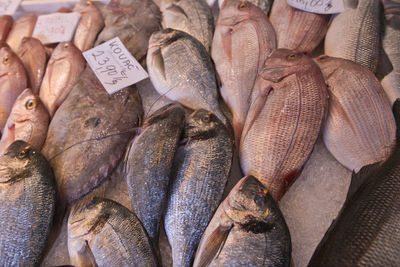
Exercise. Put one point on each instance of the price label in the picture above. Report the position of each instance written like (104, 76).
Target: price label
(318, 6)
(114, 66)
(8, 7)
(56, 27)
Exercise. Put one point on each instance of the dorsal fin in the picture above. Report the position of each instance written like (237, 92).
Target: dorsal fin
(357, 179)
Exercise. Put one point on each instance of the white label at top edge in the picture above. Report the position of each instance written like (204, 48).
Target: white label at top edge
(318, 6)
(8, 7)
(114, 66)
(56, 27)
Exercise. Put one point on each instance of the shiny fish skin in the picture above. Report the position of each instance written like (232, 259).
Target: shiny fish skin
(89, 26)
(247, 229)
(102, 232)
(359, 30)
(6, 22)
(28, 121)
(33, 55)
(22, 27)
(191, 16)
(88, 135)
(296, 29)
(243, 39)
(181, 69)
(62, 73)
(199, 176)
(148, 165)
(13, 81)
(27, 200)
(365, 233)
(289, 102)
(133, 21)
(390, 43)
(360, 127)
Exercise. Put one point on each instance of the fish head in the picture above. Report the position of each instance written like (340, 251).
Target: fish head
(234, 11)
(202, 124)
(84, 6)
(328, 65)
(87, 216)
(282, 63)
(9, 60)
(16, 162)
(62, 51)
(250, 205)
(164, 37)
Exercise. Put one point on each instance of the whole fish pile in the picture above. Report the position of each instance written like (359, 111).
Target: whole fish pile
(151, 174)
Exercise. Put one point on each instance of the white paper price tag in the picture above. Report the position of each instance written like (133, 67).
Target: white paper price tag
(56, 27)
(8, 7)
(318, 6)
(114, 66)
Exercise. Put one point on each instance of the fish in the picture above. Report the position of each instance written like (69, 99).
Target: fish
(88, 135)
(148, 164)
(390, 41)
(62, 73)
(89, 25)
(288, 106)
(199, 175)
(360, 128)
(364, 232)
(248, 229)
(181, 69)
(27, 201)
(359, 30)
(265, 5)
(6, 22)
(28, 121)
(243, 39)
(13, 81)
(133, 21)
(297, 29)
(22, 27)
(102, 232)
(191, 16)
(33, 55)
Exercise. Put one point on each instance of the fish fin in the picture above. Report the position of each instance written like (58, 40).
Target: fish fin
(212, 245)
(384, 65)
(158, 62)
(80, 254)
(396, 113)
(177, 9)
(357, 179)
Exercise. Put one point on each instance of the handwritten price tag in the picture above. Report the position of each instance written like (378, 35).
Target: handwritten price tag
(8, 7)
(114, 66)
(56, 27)
(318, 6)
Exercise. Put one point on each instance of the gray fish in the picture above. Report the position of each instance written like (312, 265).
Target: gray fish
(181, 69)
(355, 34)
(191, 16)
(133, 21)
(390, 43)
(27, 201)
(365, 233)
(247, 229)
(148, 165)
(88, 135)
(199, 176)
(360, 128)
(102, 232)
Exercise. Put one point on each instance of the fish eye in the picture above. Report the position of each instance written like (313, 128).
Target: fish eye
(242, 5)
(6, 59)
(30, 104)
(291, 56)
(259, 199)
(66, 45)
(22, 154)
(206, 118)
(89, 3)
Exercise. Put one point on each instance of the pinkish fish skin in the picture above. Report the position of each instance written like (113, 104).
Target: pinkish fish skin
(28, 121)
(13, 81)
(243, 39)
(62, 73)
(34, 57)
(289, 102)
(89, 26)
(22, 27)
(6, 23)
